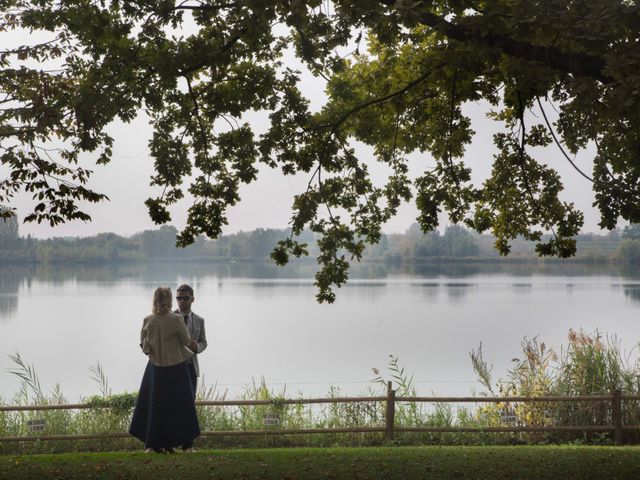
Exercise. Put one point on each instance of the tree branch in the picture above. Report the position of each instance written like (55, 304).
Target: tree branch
(557, 142)
(232, 41)
(375, 101)
(523, 171)
(572, 63)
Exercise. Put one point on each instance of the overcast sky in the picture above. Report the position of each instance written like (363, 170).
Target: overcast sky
(267, 202)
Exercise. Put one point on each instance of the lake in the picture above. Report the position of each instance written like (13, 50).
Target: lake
(263, 322)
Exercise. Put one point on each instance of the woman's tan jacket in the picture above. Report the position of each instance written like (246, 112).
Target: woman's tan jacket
(165, 338)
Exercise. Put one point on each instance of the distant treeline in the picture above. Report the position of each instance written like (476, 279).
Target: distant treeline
(455, 242)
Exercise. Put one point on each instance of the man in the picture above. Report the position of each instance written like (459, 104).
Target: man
(195, 325)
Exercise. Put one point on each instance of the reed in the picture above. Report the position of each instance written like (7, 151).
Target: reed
(589, 364)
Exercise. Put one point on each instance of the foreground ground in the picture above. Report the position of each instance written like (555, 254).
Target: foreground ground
(434, 463)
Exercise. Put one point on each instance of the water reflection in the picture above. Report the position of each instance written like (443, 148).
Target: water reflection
(430, 290)
(8, 306)
(298, 275)
(632, 292)
(522, 288)
(457, 292)
(10, 280)
(513, 268)
(12, 276)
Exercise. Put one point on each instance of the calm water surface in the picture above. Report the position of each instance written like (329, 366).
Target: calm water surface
(263, 321)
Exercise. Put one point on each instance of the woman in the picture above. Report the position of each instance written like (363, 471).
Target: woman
(165, 412)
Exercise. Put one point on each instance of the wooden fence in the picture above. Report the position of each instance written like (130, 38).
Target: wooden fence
(615, 399)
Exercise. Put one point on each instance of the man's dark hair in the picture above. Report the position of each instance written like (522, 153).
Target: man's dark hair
(185, 288)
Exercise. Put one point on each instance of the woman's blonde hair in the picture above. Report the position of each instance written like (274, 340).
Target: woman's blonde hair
(162, 300)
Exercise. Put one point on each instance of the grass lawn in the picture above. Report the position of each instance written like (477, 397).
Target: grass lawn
(521, 462)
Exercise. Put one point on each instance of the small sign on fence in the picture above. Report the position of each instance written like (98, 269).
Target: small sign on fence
(36, 425)
(508, 416)
(270, 419)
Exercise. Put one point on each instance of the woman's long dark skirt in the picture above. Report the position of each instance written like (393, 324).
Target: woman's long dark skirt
(165, 412)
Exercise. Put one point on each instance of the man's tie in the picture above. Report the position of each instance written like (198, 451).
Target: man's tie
(186, 318)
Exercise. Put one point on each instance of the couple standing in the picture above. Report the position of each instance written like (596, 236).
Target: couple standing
(165, 413)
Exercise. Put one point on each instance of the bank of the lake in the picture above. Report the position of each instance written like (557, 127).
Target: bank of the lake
(453, 244)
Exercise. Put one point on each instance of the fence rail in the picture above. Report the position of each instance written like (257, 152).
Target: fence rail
(615, 400)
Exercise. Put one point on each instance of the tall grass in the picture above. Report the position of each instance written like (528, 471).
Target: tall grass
(31, 393)
(587, 364)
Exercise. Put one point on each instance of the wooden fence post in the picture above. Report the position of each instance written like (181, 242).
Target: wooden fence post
(616, 417)
(391, 412)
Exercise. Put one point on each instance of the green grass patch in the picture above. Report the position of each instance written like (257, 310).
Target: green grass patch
(450, 462)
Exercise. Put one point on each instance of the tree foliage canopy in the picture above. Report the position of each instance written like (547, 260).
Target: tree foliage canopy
(196, 67)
